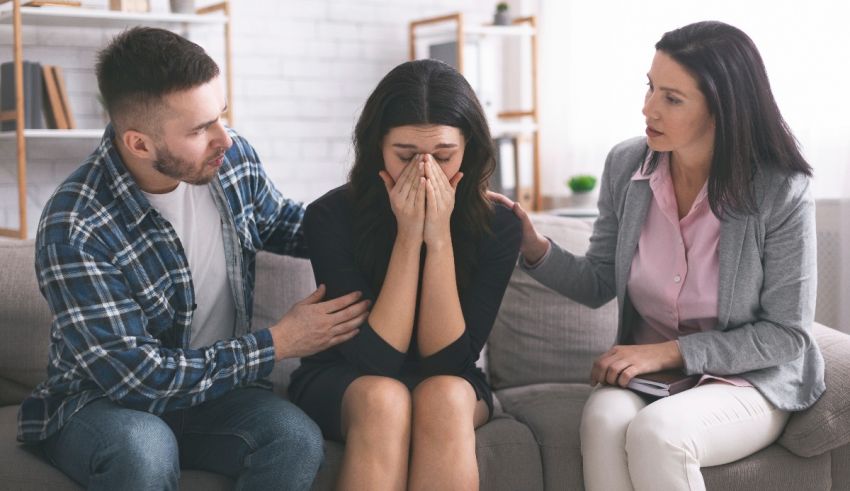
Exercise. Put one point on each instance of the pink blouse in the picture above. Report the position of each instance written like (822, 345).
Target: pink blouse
(674, 276)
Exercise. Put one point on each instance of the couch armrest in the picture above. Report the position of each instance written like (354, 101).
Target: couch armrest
(825, 425)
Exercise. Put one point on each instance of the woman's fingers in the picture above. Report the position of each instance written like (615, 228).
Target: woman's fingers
(416, 190)
(443, 187)
(439, 176)
(409, 178)
(500, 198)
(431, 200)
(419, 201)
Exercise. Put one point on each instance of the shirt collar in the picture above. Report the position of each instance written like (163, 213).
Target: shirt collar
(121, 183)
(663, 161)
(662, 172)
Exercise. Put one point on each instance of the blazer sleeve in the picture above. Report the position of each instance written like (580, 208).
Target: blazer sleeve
(481, 301)
(332, 257)
(588, 279)
(781, 331)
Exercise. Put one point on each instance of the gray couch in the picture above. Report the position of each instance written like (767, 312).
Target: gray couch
(538, 360)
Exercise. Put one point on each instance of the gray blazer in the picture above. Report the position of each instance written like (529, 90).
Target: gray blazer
(767, 288)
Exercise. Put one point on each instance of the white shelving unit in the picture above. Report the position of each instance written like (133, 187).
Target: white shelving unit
(83, 17)
(471, 52)
(31, 134)
(13, 13)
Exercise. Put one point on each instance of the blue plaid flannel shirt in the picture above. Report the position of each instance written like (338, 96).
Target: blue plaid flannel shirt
(118, 284)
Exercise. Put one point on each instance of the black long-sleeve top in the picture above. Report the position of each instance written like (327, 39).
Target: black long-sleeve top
(328, 230)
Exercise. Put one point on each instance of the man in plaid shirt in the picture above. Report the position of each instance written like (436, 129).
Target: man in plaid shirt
(145, 255)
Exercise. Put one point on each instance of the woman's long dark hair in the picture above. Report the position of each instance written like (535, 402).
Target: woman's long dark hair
(749, 130)
(421, 92)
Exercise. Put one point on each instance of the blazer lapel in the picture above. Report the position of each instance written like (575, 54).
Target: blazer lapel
(732, 232)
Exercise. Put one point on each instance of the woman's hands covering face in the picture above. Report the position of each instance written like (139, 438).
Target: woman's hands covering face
(407, 199)
(422, 200)
(439, 203)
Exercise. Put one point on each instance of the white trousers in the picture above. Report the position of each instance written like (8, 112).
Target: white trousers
(627, 444)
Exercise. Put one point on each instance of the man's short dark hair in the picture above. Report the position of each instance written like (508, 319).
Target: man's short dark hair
(143, 64)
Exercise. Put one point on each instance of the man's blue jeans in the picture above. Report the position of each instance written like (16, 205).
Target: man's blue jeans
(251, 435)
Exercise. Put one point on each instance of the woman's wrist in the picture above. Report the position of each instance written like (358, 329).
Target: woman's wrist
(535, 251)
(673, 358)
(437, 245)
(408, 239)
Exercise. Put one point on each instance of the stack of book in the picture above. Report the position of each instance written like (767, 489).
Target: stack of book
(46, 103)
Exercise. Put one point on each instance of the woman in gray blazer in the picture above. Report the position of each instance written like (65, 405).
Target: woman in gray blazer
(706, 237)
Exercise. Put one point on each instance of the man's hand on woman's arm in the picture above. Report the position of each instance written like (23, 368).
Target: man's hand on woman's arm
(312, 325)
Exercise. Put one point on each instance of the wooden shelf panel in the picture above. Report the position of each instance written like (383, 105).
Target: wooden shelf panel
(508, 128)
(54, 134)
(86, 17)
(448, 29)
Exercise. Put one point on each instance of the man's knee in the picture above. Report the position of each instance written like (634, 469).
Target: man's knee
(145, 450)
(292, 432)
(148, 445)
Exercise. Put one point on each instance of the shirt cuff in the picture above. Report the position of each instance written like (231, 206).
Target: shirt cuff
(260, 363)
(531, 267)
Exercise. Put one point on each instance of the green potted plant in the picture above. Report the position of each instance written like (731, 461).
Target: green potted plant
(500, 18)
(582, 186)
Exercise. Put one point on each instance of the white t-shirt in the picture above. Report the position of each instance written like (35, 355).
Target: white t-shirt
(194, 216)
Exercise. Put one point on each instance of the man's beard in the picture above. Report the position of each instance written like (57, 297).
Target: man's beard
(182, 170)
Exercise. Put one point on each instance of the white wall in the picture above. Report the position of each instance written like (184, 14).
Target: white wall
(594, 57)
(302, 70)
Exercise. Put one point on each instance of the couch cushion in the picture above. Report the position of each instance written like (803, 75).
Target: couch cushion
(553, 413)
(24, 323)
(841, 468)
(771, 469)
(825, 425)
(508, 456)
(540, 336)
(281, 282)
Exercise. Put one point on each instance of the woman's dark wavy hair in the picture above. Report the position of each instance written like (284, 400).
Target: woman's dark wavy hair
(422, 92)
(750, 132)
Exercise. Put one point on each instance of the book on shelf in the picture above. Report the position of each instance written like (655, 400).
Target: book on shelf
(56, 109)
(664, 383)
(33, 98)
(64, 101)
(46, 102)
